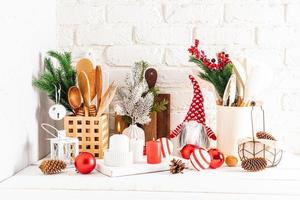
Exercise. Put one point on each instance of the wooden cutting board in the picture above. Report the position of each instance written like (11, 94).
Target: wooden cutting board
(151, 128)
(163, 118)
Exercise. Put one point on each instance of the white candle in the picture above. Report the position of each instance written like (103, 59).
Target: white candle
(119, 143)
(137, 149)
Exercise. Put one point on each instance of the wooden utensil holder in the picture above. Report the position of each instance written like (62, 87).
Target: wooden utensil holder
(92, 133)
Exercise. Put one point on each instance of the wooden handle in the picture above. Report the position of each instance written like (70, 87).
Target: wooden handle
(84, 87)
(98, 84)
(107, 99)
(151, 77)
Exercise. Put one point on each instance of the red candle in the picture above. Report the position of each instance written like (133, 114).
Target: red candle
(153, 151)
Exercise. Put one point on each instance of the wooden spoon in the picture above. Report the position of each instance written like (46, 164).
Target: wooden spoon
(86, 66)
(98, 84)
(84, 86)
(74, 98)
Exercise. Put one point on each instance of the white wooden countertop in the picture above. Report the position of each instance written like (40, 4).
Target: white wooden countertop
(282, 182)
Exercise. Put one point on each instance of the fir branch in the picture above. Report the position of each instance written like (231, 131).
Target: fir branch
(134, 100)
(64, 77)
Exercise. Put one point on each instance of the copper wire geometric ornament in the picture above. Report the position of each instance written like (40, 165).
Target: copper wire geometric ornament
(260, 148)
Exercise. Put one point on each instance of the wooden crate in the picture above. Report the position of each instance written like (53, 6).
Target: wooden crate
(92, 133)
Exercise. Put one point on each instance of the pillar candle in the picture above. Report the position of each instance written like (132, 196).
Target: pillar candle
(137, 148)
(153, 151)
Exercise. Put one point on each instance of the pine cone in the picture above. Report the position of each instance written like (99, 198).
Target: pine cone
(177, 166)
(254, 164)
(92, 110)
(264, 135)
(52, 166)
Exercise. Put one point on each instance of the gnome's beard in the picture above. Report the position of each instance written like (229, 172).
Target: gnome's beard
(193, 133)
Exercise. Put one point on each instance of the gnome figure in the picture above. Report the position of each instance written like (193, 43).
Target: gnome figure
(193, 129)
(193, 133)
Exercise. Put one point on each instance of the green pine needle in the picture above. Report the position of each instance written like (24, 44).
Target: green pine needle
(63, 76)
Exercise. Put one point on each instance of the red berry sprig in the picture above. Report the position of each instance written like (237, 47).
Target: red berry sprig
(211, 64)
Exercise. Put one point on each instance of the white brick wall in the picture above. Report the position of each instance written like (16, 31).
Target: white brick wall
(120, 32)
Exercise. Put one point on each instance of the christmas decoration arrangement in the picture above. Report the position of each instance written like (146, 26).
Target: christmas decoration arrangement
(61, 147)
(63, 76)
(89, 123)
(125, 156)
(141, 84)
(233, 85)
(135, 148)
(252, 150)
(216, 71)
(90, 85)
(78, 93)
(236, 86)
(137, 103)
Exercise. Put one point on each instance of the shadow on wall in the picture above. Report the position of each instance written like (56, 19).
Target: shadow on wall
(42, 117)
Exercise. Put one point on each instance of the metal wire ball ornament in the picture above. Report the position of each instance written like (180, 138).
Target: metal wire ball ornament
(254, 148)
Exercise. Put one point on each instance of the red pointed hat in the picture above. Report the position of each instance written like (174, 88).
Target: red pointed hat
(195, 113)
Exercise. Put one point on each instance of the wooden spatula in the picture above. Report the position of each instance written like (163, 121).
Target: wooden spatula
(98, 84)
(86, 66)
(92, 80)
(84, 87)
(107, 98)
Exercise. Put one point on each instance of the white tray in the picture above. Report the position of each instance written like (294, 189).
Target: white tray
(134, 169)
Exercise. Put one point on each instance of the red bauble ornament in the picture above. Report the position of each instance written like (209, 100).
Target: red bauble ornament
(85, 163)
(217, 158)
(187, 150)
